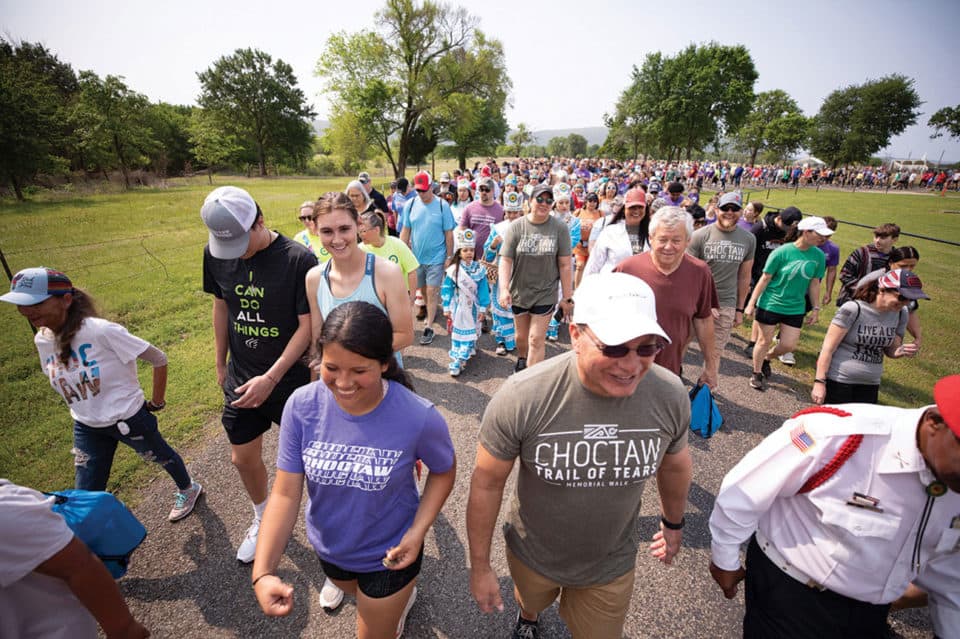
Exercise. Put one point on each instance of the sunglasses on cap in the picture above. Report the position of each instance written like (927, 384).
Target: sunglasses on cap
(621, 350)
(544, 199)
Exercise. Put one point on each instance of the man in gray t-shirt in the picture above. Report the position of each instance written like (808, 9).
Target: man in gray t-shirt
(728, 251)
(589, 427)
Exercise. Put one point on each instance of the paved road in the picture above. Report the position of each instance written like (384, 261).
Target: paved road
(186, 583)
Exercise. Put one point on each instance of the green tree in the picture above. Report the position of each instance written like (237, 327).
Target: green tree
(775, 125)
(576, 145)
(35, 89)
(170, 127)
(258, 102)
(946, 119)
(422, 143)
(345, 139)
(558, 146)
(521, 138)
(680, 104)
(407, 75)
(857, 121)
(111, 124)
(210, 144)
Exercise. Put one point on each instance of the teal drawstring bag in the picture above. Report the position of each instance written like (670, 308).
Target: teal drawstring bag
(705, 417)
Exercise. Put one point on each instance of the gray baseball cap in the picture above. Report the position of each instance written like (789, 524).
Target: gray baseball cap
(229, 213)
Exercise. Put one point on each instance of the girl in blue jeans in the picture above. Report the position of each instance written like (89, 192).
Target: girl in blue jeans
(92, 363)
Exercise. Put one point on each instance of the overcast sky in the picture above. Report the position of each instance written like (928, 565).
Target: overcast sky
(569, 61)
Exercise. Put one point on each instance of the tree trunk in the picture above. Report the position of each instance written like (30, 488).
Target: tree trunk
(118, 148)
(210, 175)
(753, 156)
(462, 161)
(261, 159)
(16, 187)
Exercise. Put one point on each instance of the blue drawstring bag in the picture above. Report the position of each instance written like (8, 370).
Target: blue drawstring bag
(103, 523)
(705, 417)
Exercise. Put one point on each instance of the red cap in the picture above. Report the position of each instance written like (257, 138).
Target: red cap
(634, 197)
(485, 171)
(422, 181)
(946, 393)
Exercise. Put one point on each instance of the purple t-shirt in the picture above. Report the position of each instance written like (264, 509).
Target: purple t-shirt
(832, 252)
(361, 492)
(479, 218)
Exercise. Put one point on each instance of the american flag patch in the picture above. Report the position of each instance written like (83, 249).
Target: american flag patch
(801, 439)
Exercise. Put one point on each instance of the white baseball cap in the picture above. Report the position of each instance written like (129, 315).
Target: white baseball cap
(229, 212)
(617, 307)
(814, 223)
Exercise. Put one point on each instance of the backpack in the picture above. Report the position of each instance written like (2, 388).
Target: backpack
(103, 523)
(705, 417)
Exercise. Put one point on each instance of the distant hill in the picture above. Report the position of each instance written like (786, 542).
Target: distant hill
(319, 126)
(594, 134)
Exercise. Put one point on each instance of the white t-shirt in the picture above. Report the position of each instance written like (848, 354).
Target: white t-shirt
(100, 382)
(33, 605)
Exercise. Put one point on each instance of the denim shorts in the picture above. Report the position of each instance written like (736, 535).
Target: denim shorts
(430, 275)
(379, 584)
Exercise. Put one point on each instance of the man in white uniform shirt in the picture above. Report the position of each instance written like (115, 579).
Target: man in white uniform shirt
(844, 508)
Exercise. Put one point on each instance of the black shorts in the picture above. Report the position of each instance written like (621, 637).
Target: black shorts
(379, 584)
(243, 425)
(539, 309)
(772, 319)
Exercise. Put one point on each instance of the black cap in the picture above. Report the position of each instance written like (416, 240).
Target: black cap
(790, 215)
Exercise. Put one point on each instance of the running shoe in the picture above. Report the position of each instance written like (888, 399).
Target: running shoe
(526, 629)
(421, 313)
(748, 349)
(520, 365)
(330, 596)
(757, 381)
(427, 337)
(455, 369)
(788, 359)
(184, 501)
(765, 369)
(406, 611)
(248, 547)
(501, 349)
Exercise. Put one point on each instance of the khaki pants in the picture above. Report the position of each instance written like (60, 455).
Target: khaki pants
(591, 612)
(722, 327)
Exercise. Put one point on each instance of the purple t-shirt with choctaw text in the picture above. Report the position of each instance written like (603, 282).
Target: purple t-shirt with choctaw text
(361, 491)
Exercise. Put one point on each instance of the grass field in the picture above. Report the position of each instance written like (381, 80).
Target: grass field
(139, 254)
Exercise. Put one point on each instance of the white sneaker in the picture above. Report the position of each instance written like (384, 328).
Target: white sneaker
(330, 596)
(788, 359)
(406, 611)
(248, 547)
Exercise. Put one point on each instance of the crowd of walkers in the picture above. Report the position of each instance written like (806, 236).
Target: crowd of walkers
(623, 257)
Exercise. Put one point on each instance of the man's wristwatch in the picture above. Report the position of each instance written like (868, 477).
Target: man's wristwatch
(672, 526)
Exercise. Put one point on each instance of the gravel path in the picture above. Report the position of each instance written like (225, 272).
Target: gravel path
(186, 583)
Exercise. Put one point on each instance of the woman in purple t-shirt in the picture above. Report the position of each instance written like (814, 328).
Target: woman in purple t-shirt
(355, 438)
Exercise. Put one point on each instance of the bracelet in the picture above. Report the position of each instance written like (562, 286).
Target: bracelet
(816, 308)
(672, 526)
(152, 405)
(270, 377)
(739, 310)
(266, 574)
(820, 381)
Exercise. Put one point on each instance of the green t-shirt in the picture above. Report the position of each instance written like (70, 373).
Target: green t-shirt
(583, 463)
(792, 270)
(396, 251)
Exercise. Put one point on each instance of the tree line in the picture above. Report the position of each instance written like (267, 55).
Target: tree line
(425, 79)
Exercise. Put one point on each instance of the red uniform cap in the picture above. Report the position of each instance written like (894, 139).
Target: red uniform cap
(946, 393)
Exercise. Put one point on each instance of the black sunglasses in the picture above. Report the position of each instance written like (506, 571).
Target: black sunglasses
(729, 207)
(544, 199)
(484, 189)
(304, 218)
(621, 350)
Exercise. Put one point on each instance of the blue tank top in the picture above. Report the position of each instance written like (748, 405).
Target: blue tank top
(366, 291)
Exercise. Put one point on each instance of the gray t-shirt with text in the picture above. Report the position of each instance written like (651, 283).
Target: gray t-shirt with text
(724, 253)
(859, 356)
(583, 463)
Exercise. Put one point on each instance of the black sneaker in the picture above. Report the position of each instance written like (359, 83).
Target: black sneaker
(526, 629)
(520, 365)
(422, 313)
(427, 337)
(765, 368)
(756, 381)
(748, 349)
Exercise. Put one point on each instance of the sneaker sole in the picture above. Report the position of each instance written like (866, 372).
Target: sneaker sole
(185, 514)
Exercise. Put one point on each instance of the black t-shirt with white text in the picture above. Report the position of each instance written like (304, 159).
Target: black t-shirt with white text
(265, 296)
